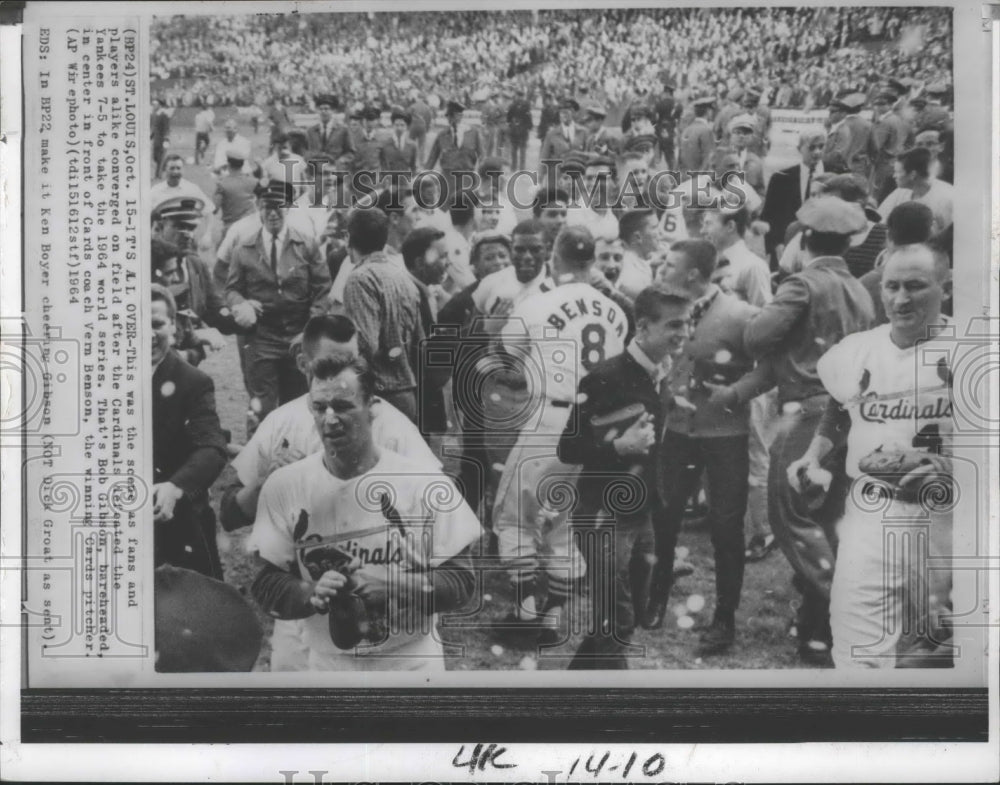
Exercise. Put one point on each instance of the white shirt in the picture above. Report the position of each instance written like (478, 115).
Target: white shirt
(747, 275)
(636, 274)
(890, 393)
(605, 226)
(289, 434)
(329, 511)
(940, 198)
(503, 285)
(804, 178)
(219, 159)
(563, 333)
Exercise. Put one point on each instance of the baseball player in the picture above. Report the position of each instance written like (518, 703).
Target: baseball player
(900, 413)
(352, 542)
(555, 337)
(288, 434)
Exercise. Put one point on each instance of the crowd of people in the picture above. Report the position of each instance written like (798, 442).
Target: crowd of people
(660, 315)
(814, 53)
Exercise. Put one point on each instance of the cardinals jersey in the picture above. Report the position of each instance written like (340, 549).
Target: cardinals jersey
(562, 334)
(399, 515)
(289, 434)
(896, 399)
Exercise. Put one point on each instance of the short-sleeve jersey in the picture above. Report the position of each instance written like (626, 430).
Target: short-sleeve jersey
(898, 399)
(399, 514)
(503, 285)
(288, 434)
(562, 334)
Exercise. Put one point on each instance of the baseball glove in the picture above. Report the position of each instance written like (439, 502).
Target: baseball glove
(892, 465)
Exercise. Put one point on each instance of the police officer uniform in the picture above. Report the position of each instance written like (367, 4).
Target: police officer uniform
(848, 144)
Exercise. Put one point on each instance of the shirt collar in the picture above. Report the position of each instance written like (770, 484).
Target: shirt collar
(281, 236)
(653, 369)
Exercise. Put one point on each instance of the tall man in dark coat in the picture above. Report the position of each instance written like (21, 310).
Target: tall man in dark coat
(328, 139)
(787, 190)
(159, 133)
(189, 451)
(617, 539)
(455, 148)
(560, 140)
(519, 124)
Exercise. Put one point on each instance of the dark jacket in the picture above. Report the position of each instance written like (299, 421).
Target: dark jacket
(811, 311)
(610, 386)
(339, 147)
(189, 450)
(782, 201)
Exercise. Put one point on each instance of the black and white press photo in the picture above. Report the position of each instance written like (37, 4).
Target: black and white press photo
(554, 339)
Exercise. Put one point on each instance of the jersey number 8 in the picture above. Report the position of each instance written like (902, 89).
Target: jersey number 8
(592, 338)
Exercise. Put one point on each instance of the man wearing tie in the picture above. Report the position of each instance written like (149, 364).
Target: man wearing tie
(399, 152)
(787, 190)
(455, 149)
(328, 139)
(561, 139)
(276, 281)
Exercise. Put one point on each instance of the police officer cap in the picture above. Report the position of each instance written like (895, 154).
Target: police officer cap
(574, 161)
(399, 113)
(595, 110)
(706, 101)
(743, 121)
(370, 113)
(886, 97)
(454, 107)
(570, 103)
(920, 100)
(641, 143)
(752, 95)
(182, 209)
(276, 193)
(326, 99)
(832, 215)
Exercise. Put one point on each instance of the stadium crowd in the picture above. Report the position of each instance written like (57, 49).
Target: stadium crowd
(692, 321)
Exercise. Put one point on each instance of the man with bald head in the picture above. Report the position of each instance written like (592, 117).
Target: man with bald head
(893, 403)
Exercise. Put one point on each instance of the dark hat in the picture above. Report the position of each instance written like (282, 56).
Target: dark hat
(357, 113)
(708, 100)
(454, 107)
(642, 143)
(574, 161)
(181, 209)
(920, 100)
(849, 102)
(752, 95)
(330, 100)
(832, 215)
(885, 97)
(276, 193)
(202, 625)
(596, 110)
(902, 85)
(600, 160)
(569, 103)
(399, 113)
(370, 113)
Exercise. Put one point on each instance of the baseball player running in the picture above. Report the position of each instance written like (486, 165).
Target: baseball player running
(555, 337)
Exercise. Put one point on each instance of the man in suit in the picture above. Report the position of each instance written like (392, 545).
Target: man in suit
(787, 190)
(399, 151)
(889, 135)
(560, 140)
(159, 133)
(189, 450)
(328, 139)
(741, 134)
(600, 141)
(457, 149)
(617, 539)
(421, 117)
(706, 429)
(276, 281)
(697, 140)
(760, 142)
(666, 112)
(848, 144)
(519, 125)
(368, 142)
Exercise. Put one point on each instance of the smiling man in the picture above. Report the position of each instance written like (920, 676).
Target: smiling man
(885, 603)
(349, 542)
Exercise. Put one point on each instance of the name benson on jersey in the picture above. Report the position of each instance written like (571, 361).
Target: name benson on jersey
(581, 308)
